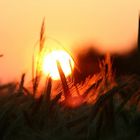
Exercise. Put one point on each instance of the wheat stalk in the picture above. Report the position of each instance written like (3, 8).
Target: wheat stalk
(64, 81)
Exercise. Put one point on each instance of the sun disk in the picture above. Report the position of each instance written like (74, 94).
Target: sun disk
(49, 66)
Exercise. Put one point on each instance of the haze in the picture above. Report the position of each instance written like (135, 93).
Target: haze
(113, 24)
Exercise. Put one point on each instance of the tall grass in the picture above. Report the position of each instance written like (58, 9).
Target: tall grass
(112, 115)
(36, 71)
(104, 108)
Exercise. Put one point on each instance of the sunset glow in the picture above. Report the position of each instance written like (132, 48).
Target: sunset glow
(104, 25)
(49, 66)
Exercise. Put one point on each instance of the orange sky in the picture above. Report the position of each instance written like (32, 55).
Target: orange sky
(107, 22)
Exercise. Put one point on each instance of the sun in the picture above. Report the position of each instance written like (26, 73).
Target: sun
(49, 66)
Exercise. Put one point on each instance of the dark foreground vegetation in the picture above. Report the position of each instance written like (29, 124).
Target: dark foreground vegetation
(115, 115)
(105, 108)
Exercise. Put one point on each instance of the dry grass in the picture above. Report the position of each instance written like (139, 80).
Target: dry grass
(36, 63)
(101, 107)
(112, 116)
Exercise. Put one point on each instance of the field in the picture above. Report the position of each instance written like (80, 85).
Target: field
(102, 106)
(109, 110)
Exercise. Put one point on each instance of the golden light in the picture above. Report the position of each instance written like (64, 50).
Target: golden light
(50, 66)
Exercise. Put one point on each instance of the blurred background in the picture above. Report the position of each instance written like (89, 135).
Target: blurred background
(104, 26)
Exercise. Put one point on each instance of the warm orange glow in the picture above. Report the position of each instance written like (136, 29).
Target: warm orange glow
(50, 67)
(107, 25)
